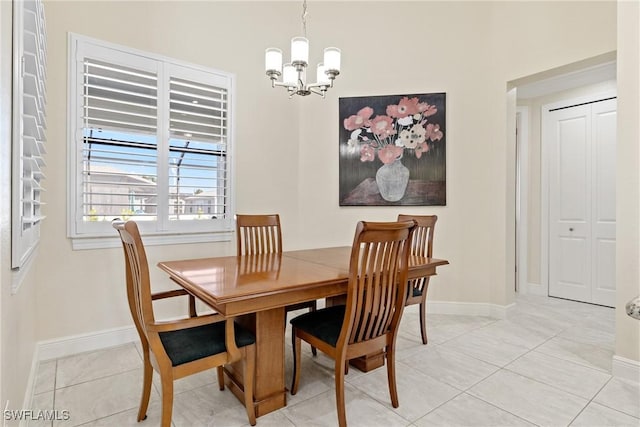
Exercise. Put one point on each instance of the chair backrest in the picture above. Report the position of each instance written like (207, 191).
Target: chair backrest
(258, 234)
(377, 280)
(422, 242)
(137, 274)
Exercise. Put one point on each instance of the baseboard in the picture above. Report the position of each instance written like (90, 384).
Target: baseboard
(31, 383)
(469, 308)
(626, 369)
(67, 346)
(536, 289)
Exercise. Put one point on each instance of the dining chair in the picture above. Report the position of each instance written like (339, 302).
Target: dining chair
(262, 234)
(421, 245)
(375, 300)
(178, 348)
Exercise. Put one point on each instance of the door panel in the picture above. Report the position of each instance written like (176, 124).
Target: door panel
(572, 169)
(573, 276)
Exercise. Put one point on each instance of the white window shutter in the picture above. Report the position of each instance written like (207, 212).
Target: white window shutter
(151, 143)
(30, 65)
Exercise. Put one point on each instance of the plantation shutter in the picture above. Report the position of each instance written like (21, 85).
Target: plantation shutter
(30, 62)
(197, 150)
(119, 150)
(150, 143)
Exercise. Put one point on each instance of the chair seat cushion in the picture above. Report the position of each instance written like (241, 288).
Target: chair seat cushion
(324, 324)
(187, 345)
(417, 292)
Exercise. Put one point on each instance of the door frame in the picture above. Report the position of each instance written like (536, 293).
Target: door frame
(545, 154)
(522, 198)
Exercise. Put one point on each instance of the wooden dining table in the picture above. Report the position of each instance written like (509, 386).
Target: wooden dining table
(256, 288)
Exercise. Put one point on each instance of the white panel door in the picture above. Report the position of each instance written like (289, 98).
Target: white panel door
(570, 204)
(582, 202)
(603, 244)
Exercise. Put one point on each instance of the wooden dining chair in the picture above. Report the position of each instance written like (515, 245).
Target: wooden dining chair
(375, 300)
(421, 245)
(262, 234)
(179, 348)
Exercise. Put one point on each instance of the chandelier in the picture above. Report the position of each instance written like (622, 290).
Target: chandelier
(294, 73)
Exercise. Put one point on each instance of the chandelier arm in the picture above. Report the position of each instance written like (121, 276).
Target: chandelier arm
(319, 85)
(281, 84)
(320, 92)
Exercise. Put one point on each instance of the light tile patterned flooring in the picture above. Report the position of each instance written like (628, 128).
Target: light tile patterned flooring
(547, 364)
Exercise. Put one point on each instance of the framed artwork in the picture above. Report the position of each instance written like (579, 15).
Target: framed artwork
(393, 150)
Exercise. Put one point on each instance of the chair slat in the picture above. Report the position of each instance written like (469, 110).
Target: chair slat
(258, 234)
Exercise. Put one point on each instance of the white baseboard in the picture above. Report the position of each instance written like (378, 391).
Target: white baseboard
(469, 308)
(31, 383)
(626, 369)
(67, 346)
(536, 289)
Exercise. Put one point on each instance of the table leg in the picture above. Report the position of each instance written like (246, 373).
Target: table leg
(269, 391)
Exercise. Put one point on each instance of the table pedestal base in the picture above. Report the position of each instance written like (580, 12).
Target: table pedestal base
(369, 362)
(262, 407)
(269, 393)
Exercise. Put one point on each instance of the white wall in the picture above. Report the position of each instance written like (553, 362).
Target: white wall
(17, 312)
(470, 50)
(86, 293)
(287, 152)
(628, 179)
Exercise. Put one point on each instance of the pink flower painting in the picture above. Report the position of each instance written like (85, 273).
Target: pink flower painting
(392, 150)
(407, 127)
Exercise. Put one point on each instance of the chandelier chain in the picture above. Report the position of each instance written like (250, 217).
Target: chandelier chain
(304, 18)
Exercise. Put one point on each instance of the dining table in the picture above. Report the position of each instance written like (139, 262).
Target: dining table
(255, 289)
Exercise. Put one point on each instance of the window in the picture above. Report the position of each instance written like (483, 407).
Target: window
(150, 140)
(29, 99)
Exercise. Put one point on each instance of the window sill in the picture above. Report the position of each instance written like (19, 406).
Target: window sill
(19, 274)
(98, 242)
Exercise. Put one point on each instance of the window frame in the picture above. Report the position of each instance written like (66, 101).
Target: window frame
(99, 234)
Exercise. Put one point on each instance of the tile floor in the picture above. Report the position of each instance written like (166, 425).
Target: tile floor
(547, 364)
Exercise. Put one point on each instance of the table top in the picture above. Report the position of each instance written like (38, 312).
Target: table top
(235, 285)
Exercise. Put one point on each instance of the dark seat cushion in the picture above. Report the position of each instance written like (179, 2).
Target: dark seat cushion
(324, 324)
(417, 292)
(187, 345)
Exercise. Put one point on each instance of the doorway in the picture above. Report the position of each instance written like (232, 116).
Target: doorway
(583, 81)
(579, 146)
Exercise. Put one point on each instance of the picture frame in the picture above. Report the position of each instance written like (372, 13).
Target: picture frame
(392, 150)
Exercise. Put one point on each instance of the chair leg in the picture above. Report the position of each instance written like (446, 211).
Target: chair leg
(340, 406)
(167, 399)
(423, 321)
(220, 372)
(314, 307)
(249, 375)
(391, 374)
(146, 388)
(192, 306)
(297, 348)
